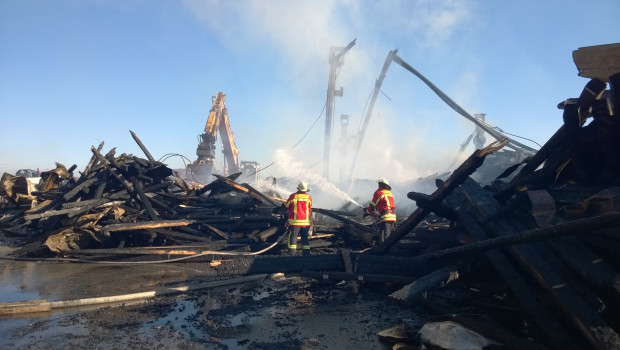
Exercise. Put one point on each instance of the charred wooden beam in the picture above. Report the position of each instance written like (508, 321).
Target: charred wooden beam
(102, 185)
(144, 199)
(265, 234)
(379, 264)
(575, 227)
(348, 267)
(423, 200)
(413, 292)
(245, 188)
(357, 277)
(146, 151)
(341, 218)
(72, 211)
(181, 235)
(75, 190)
(242, 226)
(93, 160)
(162, 205)
(217, 231)
(146, 225)
(42, 206)
(363, 235)
(245, 265)
(216, 183)
(106, 163)
(559, 140)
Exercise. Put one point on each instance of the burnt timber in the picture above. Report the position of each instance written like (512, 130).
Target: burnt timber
(537, 249)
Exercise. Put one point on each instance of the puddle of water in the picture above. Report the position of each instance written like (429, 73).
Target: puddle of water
(12, 293)
(15, 285)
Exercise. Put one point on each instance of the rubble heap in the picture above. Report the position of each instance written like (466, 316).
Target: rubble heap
(529, 261)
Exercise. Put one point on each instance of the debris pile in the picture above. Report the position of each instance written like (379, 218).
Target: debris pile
(550, 235)
(120, 204)
(527, 261)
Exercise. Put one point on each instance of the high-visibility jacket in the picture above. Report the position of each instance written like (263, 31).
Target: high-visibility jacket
(299, 206)
(383, 204)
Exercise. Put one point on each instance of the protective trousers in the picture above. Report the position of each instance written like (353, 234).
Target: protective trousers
(385, 229)
(302, 231)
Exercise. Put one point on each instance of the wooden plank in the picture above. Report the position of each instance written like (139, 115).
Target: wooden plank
(144, 199)
(346, 258)
(142, 225)
(598, 61)
(217, 231)
(181, 235)
(80, 186)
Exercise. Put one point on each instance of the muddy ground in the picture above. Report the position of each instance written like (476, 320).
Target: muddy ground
(281, 312)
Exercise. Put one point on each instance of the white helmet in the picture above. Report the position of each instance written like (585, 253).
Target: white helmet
(383, 181)
(303, 187)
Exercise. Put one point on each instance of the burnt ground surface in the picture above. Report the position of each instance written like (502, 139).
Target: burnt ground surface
(280, 312)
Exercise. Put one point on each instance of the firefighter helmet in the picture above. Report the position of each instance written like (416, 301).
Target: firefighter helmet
(384, 181)
(303, 187)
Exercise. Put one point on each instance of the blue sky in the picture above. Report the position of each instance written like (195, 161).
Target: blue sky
(74, 73)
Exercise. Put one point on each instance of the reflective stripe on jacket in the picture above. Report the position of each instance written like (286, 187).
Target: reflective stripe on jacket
(299, 206)
(383, 203)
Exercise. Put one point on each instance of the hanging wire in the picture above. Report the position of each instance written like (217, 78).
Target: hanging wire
(298, 142)
(521, 137)
(302, 138)
(183, 158)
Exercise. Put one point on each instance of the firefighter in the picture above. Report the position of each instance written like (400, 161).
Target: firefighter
(381, 208)
(299, 207)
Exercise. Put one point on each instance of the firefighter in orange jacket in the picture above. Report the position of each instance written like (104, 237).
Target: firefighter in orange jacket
(381, 208)
(299, 207)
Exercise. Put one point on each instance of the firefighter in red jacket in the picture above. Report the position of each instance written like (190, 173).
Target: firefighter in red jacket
(381, 208)
(299, 207)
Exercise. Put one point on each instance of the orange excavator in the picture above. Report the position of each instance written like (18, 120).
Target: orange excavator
(202, 168)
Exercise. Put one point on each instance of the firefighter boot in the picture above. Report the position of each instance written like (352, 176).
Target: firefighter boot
(305, 252)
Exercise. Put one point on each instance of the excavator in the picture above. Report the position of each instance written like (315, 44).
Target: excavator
(202, 168)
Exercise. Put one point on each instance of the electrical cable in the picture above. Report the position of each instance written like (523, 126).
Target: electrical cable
(521, 137)
(303, 137)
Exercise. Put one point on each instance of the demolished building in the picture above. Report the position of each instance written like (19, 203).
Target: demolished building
(532, 260)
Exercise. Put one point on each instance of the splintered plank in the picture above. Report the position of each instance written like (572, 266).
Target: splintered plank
(599, 61)
(576, 310)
